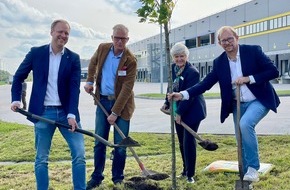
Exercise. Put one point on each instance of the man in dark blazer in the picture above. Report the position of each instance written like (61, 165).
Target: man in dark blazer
(249, 67)
(55, 95)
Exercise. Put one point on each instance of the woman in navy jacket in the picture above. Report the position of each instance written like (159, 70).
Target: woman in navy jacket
(191, 112)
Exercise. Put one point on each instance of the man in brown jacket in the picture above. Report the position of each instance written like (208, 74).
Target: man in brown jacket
(113, 68)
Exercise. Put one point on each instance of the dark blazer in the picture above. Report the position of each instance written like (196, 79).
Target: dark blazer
(37, 61)
(194, 109)
(254, 62)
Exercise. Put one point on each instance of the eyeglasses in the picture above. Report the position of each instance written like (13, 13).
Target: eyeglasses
(229, 40)
(123, 39)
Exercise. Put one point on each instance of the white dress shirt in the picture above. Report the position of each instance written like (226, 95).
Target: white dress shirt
(236, 71)
(52, 97)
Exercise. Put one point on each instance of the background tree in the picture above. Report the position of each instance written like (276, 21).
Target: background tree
(4, 76)
(160, 11)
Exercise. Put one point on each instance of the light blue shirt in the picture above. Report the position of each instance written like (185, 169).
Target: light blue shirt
(109, 72)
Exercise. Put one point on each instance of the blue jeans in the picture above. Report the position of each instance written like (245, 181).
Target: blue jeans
(102, 129)
(43, 136)
(251, 114)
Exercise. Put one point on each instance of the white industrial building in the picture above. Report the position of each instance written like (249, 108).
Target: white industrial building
(262, 22)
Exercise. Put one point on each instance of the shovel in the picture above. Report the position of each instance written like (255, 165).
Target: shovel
(126, 142)
(146, 173)
(206, 144)
(240, 184)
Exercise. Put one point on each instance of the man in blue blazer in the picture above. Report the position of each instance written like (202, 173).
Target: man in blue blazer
(55, 95)
(249, 67)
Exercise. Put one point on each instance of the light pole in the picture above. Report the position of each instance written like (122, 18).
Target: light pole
(161, 61)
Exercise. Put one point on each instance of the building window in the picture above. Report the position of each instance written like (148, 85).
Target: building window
(258, 27)
(271, 24)
(204, 40)
(284, 22)
(279, 22)
(190, 43)
(202, 72)
(254, 28)
(209, 68)
(247, 30)
(262, 26)
(239, 31)
(288, 20)
(212, 38)
(275, 23)
(265, 25)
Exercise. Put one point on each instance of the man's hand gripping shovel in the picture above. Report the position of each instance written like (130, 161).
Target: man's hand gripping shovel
(126, 142)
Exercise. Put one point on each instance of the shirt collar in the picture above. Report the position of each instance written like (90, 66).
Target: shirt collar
(118, 56)
(237, 56)
(50, 50)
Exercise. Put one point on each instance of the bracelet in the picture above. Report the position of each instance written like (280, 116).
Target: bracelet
(114, 114)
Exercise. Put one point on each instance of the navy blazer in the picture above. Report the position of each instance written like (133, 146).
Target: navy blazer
(194, 109)
(37, 61)
(254, 62)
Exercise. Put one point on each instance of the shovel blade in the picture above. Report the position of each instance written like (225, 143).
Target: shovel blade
(208, 145)
(243, 185)
(128, 142)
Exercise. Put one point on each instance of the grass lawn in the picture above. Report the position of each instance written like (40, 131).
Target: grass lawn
(16, 145)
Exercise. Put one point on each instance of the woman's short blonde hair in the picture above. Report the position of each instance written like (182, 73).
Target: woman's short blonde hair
(179, 48)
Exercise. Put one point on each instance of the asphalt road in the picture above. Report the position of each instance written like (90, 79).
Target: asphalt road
(148, 118)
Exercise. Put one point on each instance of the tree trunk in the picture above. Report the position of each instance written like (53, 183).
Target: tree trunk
(167, 46)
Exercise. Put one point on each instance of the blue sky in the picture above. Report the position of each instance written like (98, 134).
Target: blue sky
(26, 23)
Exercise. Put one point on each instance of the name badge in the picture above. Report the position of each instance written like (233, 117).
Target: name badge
(122, 73)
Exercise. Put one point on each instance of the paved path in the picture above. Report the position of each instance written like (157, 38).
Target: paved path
(148, 118)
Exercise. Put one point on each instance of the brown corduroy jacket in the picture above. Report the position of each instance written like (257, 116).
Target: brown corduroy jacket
(124, 105)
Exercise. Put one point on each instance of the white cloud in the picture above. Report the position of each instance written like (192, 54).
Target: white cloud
(23, 26)
(26, 23)
(19, 50)
(14, 13)
(80, 31)
(125, 6)
(24, 33)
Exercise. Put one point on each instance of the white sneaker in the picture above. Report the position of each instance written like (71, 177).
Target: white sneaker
(251, 175)
(190, 180)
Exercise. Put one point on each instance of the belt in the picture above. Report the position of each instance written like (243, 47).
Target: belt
(109, 97)
(52, 106)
